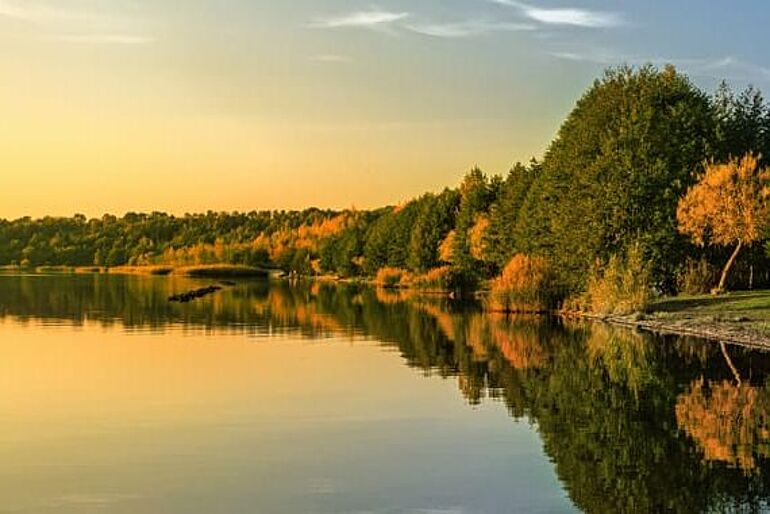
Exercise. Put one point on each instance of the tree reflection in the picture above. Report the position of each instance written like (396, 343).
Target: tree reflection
(625, 355)
(728, 421)
(631, 422)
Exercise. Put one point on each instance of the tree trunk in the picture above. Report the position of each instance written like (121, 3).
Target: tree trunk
(730, 261)
(730, 363)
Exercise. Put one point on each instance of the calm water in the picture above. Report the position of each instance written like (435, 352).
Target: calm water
(318, 399)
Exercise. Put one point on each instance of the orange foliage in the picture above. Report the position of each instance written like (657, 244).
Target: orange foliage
(520, 345)
(392, 296)
(446, 248)
(476, 237)
(436, 279)
(443, 318)
(729, 422)
(392, 277)
(307, 236)
(729, 204)
(519, 342)
(527, 284)
(286, 311)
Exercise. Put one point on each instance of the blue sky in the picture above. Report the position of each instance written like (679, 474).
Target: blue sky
(242, 104)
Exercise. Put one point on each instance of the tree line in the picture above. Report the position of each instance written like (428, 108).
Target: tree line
(612, 179)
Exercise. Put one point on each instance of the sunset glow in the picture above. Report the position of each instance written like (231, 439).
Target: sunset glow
(111, 106)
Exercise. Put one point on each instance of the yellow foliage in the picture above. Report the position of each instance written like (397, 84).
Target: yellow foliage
(392, 277)
(621, 287)
(729, 204)
(393, 295)
(436, 279)
(446, 248)
(476, 237)
(307, 236)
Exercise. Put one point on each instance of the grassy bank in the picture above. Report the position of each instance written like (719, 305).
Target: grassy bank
(741, 317)
(201, 271)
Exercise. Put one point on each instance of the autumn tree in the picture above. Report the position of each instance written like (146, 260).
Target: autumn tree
(727, 207)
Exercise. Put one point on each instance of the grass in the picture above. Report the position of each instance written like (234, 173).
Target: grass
(55, 269)
(744, 303)
(143, 270)
(740, 316)
(221, 271)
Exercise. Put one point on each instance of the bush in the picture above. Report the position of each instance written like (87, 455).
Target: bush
(392, 277)
(527, 284)
(436, 279)
(697, 277)
(620, 287)
(446, 278)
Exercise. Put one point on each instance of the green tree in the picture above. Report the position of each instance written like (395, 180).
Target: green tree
(435, 218)
(501, 238)
(616, 171)
(476, 195)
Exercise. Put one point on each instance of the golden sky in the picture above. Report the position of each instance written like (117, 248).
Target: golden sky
(112, 106)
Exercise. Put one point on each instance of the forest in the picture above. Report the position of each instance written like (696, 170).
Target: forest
(602, 213)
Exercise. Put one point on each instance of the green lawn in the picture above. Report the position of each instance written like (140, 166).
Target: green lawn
(746, 313)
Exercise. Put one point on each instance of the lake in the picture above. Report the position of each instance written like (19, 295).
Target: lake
(322, 398)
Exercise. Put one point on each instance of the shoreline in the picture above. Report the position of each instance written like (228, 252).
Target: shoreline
(741, 318)
(708, 331)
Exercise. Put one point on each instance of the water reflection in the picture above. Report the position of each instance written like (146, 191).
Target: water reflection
(631, 423)
(728, 421)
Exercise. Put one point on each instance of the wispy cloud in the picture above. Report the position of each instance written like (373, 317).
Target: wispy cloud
(391, 21)
(596, 57)
(362, 19)
(104, 39)
(330, 58)
(35, 12)
(73, 26)
(467, 28)
(574, 16)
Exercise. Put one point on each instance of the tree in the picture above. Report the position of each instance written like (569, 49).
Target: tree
(727, 207)
(742, 122)
(501, 238)
(436, 217)
(615, 172)
(476, 195)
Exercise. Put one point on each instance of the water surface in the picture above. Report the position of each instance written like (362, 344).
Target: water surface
(321, 398)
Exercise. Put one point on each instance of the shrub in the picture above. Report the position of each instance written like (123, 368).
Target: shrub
(527, 284)
(392, 277)
(436, 279)
(697, 277)
(620, 287)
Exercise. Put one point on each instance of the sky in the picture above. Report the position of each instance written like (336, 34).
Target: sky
(195, 105)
